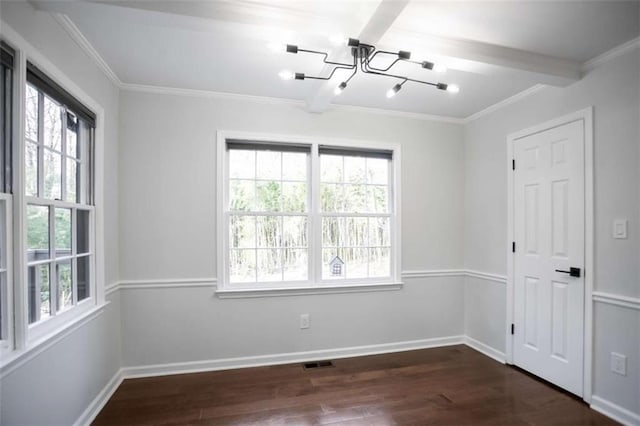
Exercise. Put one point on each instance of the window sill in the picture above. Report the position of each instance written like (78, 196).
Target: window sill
(14, 359)
(301, 291)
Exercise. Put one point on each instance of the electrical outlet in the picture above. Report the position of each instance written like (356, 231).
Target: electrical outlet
(304, 321)
(619, 364)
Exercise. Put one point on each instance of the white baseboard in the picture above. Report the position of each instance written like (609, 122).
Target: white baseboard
(485, 349)
(614, 411)
(100, 400)
(286, 358)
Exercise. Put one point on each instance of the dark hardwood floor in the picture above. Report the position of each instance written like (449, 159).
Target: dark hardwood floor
(443, 386)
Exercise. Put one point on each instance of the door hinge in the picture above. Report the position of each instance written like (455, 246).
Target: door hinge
(513, 247)
(513, 164)
(513, 328)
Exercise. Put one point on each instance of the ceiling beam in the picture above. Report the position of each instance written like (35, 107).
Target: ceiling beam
(548, 69)
(381, 20)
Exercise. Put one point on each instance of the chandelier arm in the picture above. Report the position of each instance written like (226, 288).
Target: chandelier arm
(325, 59)
(369, 71)
(332, 72)
(370, 58)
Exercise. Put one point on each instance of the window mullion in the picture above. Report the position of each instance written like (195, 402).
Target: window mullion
(315, 243)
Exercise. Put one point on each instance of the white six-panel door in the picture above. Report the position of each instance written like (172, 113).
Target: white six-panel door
(549, 230)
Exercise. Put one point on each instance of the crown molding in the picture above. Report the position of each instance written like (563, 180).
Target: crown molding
(611, 54)
(74, 32)
(503, 103)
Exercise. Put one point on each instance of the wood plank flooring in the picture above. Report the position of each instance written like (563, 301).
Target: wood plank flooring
(453, 385)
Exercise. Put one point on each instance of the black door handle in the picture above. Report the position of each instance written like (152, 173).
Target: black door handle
(574, 272)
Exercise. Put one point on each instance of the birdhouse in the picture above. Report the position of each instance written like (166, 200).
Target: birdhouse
(336, 266)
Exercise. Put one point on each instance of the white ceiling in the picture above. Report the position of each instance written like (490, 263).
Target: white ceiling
(494, 50)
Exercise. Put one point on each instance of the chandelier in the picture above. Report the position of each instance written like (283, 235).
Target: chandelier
(363, 55)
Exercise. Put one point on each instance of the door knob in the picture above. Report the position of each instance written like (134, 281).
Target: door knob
(574, 272)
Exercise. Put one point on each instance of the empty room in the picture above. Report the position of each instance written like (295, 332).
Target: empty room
(319, 212)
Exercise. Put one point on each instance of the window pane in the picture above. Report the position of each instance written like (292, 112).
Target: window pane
(84, 274)
(269, 265)
(242, 164)
(269, 232)
(294, 197)
(379, 234)
(357, 231)
(378, 171)
(241, 195)
(65, 292)
(378, 199)
(332, 231)
(332, 198)
(31, 169)
(82, 231)
(39, 291)
(37, 233)
(356, 262)
(71, 179)
(242, 232)
(331, 168)
(52, 125)
(296, 264)
(242, 266)
(294, 231)
(380, 265)
(268, 196)
(356, 198)
(63, 232)
(72, 143)
(268, 165)
(31, 114)
(52, 174)
(294, 166)
(354, 170)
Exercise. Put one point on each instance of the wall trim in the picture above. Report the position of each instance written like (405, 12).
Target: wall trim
(616, 299)
(211, 282)
(286, 358)
(98, 403)
(614, 411)
(485, 349)
(611, 54)
(74, 32)
(502, 279)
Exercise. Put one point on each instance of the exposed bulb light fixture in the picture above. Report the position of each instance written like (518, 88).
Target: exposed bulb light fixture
(340, 88)
(286, 75)
(395, 89)
(363, 56)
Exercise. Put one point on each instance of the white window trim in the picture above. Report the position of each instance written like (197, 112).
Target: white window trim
(227, 290)
(27, 338)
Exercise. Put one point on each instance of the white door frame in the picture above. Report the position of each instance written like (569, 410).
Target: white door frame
(586, 115)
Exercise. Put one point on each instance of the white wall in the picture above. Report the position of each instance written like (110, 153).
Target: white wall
(614, 91)
(168, 231)
(68, 375)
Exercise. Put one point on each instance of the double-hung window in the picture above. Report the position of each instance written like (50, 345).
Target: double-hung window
(58, 189)
(307, 214)
(6, 136)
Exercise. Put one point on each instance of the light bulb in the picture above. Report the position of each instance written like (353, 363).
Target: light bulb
(395, 89)
(340, 88)
(276, 47)
(439, 68)
(286, 75)
(337, 39)
(452, 88)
